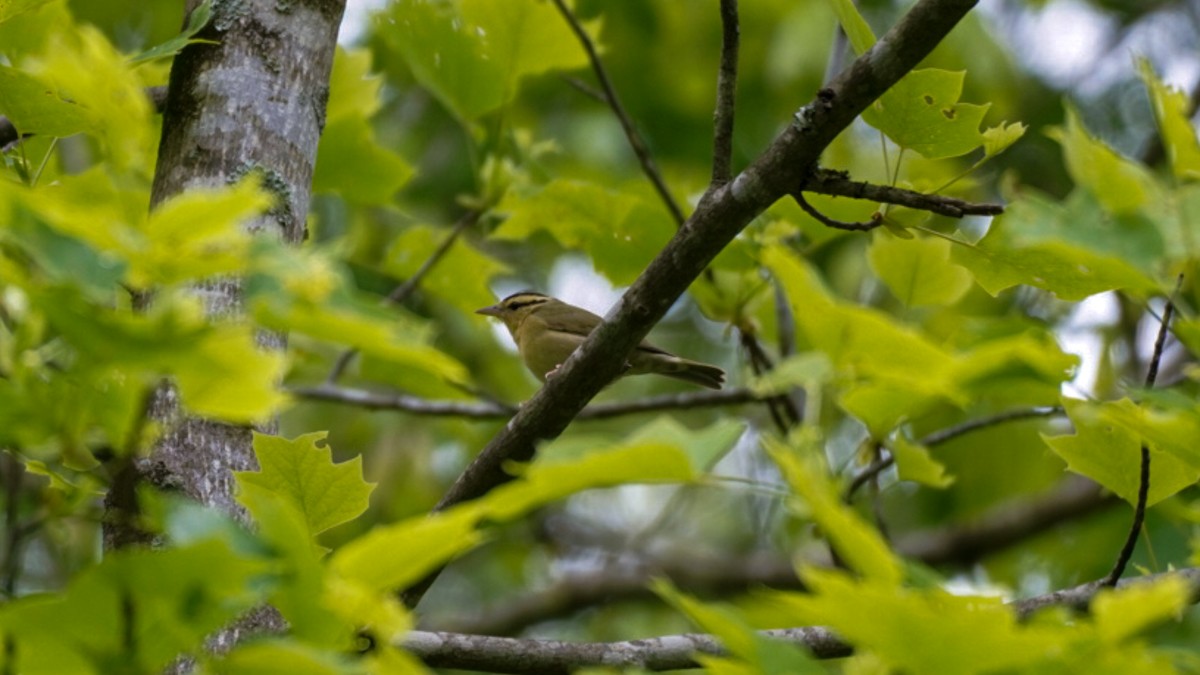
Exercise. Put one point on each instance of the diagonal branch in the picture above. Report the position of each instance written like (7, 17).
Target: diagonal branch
(784, 164)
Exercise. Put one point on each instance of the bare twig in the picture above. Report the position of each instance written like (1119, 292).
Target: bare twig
(726, 94)
(949, 433)
(838, 184)
(400, 293)
(1139, 510)
(673, 652)
(373, 400)
(649, 167)
(864, 226)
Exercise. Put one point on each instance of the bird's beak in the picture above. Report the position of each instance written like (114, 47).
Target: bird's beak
(493, 310)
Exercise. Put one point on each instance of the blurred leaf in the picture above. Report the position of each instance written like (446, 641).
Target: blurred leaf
(763, 654)
(326, 494)
(524, 37)
(860, 34)
(1106, 447)
(921, 112)
(960, 634)
(1173, 114)
(197, 20)
(11, 8)
(999, 138)
(1069, 272)
(461, 277)
(1125, 612)
(137, 609)
(37, 108)
(918, 272)
(620, 231)
(856, 542)
(351, 162)
(284, 657)
(915, 463)
(1122, 185)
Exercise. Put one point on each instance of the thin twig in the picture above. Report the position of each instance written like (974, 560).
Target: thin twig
(726, 94)
(865, 226)
(400, 293)
(838, 184)
(372, 400)
(949, 433)
(1139, 510)
(649, 167)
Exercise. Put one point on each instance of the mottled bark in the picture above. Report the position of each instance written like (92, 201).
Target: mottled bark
(252, 102)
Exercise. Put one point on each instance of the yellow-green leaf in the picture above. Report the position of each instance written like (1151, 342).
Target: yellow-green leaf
(921, 112)
(304, 474)
(1122, 185)
(918, 271)
(914, 463)
(1173, 114)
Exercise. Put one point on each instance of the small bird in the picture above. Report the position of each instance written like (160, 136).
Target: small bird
(548, 330)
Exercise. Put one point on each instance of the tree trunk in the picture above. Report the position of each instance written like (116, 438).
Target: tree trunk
(253, 102)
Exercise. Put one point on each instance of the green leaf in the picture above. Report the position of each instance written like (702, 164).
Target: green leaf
(446, 57)
(395, 556)
(1173, 114)
(460, 278)
(136, 609)
(860, 34)
(919, 271)
(914, 463)
(858, 544)
(743, 643)
(284, 657)
(921, 112)
(197, 20)
(351, 162)
(1069, 272)
(1120, 184)
(1125, 612)
(1106, 447)
(635, 461)
(305, 292)
(11, 8)
(525, 37)
(327, 494)
(961, 634)
(999, 138)
(34, 107)
(620, 231)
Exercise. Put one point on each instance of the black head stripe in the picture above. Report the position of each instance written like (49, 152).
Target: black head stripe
(524, 299)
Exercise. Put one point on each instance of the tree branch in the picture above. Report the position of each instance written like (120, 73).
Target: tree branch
(673, 652)
(785, 164)
(726, 94)
(838, 184)
(372, 400)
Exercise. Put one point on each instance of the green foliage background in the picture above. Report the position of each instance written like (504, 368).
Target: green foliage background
(482, 107)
